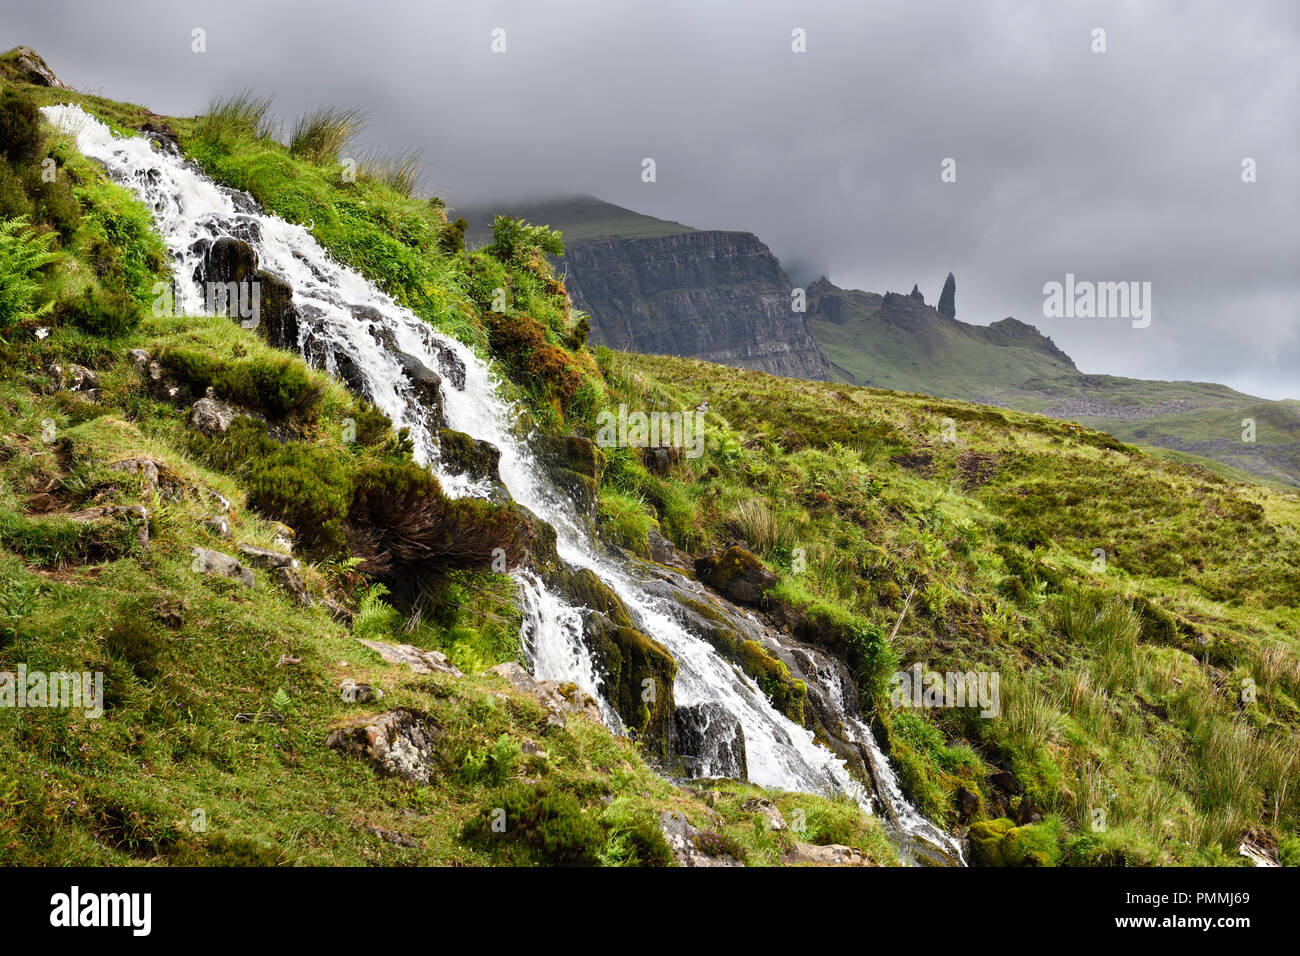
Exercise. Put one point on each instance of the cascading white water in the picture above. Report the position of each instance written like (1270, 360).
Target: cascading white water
(190, 211)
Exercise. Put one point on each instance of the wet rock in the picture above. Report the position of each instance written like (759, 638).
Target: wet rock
(426, 384)
(541, 553)
(355, 693)
(462, 454)
(574, 464)
(709, 742)
(400, 743)
(638, 675)
(263, 558)
(737, 574)
(157, 128)
(450, 364)
(560, 700)
(207, 561)
(418, 660)
(73, 378)
(277, 315)
(227, 260)
(291, 581)
(663, 551)
(833, 854)
(682, 836)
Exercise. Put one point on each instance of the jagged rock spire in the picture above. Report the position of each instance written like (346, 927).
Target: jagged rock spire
(916, 293)
(948, 298)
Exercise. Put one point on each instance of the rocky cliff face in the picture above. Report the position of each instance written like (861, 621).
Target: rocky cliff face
(718, 296)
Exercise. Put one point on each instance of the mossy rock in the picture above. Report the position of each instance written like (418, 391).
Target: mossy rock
(1001, 843)
(628, 659)
(582, 587)
(575, 464)
(736, 574)
(986, 841)
(464, 454)
(786, 694)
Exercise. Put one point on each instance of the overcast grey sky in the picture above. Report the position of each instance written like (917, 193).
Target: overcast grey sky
(1122, 165)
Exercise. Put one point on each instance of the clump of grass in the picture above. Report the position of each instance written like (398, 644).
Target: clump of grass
(240, 113)
(766, 531)
(400, 172)
(319, 135)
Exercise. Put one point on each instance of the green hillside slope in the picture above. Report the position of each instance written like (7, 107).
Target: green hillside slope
(1142, 616)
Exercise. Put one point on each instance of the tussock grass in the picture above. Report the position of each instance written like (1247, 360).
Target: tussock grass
(242, 113)
(399, 171)
(319, 135)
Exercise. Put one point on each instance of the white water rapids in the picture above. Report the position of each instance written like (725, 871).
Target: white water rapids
(190, 211)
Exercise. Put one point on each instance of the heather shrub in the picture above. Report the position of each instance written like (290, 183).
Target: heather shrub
(409, 534)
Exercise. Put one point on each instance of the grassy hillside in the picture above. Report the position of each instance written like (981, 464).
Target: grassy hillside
(899, 343)
(220, 695)
(1160, 688)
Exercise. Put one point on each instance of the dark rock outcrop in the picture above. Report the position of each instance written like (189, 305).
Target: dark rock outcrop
(718, 296)
(477, 460)
(948, 298)
(278, 318)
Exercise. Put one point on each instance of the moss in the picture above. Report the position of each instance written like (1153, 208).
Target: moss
(986, 838)
(639, 675)
(463, 454)
(280, 386)
(773, 677)
(587, 590)
(1001, 843)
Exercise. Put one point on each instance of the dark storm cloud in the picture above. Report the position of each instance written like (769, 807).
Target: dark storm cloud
(1123, 165)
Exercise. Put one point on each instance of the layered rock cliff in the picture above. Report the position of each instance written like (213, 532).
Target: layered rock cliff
(718, 296)
(661, 288)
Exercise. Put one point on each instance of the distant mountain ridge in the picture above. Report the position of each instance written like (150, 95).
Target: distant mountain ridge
(663, 288)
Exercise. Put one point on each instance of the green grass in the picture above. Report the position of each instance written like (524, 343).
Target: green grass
(1121, 683)
(219, 697)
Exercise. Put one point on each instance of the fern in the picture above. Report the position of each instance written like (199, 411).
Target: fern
(375, 617)
(283, 702)
(23, 252)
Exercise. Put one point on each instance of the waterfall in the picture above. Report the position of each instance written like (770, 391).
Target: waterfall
(343, 318)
